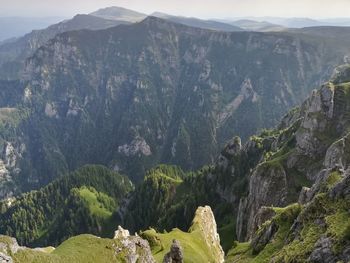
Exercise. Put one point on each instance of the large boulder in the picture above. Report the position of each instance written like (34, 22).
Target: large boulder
(175, 255)
(134, 248)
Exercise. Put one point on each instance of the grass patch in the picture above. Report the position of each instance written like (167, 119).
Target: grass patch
(194, 247)
(99, 204)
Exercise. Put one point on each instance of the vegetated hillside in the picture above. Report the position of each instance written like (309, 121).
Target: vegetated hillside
(200, 243)
(131, 97)
(84, 201)
(168, 198)
(80, 249)
(316, 229)
(13, 53)
(275, 169)
(302, 165)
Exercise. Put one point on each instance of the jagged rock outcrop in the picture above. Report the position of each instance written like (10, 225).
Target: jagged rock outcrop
(342, 188)
(322, 252)
(312, 148)
(175, 255)
(317, 229)
(121, 233)
(268, 187)
(133, 248)
(204, 221)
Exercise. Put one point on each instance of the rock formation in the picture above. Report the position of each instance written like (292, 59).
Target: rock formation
(133, 248)
(204, 222)
(175, 255)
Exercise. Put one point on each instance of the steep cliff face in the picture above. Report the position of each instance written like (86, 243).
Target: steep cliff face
(133, 96)
(273, 169)
(317, 231)
(315, 147)
(303, 166)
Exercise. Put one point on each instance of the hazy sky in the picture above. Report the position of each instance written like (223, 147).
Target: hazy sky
(199, 8)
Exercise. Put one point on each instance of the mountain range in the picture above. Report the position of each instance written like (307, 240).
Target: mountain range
(291, 183)
(102, 90)
(209, 141)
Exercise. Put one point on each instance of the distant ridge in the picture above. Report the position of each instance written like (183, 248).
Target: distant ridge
(252, 25)
(119, 13)
(196, 22)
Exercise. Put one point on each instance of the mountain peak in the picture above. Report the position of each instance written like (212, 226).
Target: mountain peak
(119, 13)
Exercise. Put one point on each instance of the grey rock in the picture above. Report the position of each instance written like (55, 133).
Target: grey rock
(175, 255)
(264, 237)
(241, 224)
(264, 214)
(232, 149)
(322, 252)
(134, 248)
(336, 155)
(264, 181)
(342, 189)
(304, 195)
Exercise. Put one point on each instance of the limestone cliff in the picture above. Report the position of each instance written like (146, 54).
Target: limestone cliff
(204, 221)
(311, 152)
(303, 154)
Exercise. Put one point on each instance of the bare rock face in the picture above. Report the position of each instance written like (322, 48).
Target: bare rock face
(232, 148)
(320, 147)
(268, 187)
(323, 251)
(260, 241)
(175, 254)
(305, 195)
(137, 146)
(204, 221)
(317, 112)
(342, 189)
(134, 248)
(337, 158)
(337, 155)
(121, 233)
